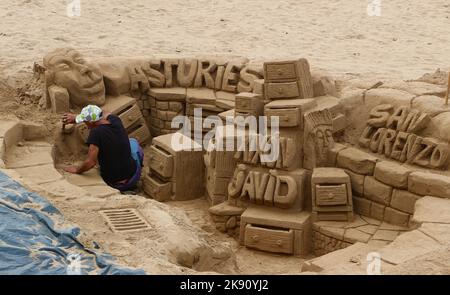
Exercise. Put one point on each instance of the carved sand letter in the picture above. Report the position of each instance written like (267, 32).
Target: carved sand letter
(387, 142)
(231, 77)
(249, 187)
(413, 148)
(376, 139)
(186, 78)
(261, 180)
(424, 155)
(379, 115)
(247, 79)
(152, 70)
(439, 156)
(235, 186)
(399, 145)
(366, 136)
(419, 122)
(397, 118)
(285, 191)
(270, 189)
(219, 75)
(289, 152)
(169, 65)
(204, 73)
(139, 82)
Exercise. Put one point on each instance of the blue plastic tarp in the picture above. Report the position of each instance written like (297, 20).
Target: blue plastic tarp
(32, 240)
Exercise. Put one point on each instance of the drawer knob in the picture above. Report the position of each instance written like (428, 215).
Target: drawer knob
(161, 166)
(130, 118)
(279, 72)
(255, 237)
(280, 90)
(279, 242)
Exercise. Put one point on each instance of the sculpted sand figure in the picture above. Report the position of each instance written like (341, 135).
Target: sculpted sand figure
(66, 68)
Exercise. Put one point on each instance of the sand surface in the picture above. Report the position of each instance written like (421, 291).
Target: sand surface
(409, 38)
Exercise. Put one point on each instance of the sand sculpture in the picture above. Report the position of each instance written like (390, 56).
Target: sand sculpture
(275, 205)
(71, 79)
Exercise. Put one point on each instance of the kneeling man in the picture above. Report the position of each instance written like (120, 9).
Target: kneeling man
(120, 158)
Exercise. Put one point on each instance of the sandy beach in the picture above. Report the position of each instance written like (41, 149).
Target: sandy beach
(406, 40)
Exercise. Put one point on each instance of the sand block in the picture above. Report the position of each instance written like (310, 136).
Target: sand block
(353, 235)
(348, 255)
(175, 106)
(377, 191)
(404, 200)
(439, 232)
(302, 104)
(431, 209)
(225, 209)
(394, 97)
(33, 131)
(63, 188)
(333, 232)
(385, 235)
(362, 205)
(368, 229)
(223, 95)
(59, 99)
(377, 211)
(200, 95)
(416, 87)
(40, 174)
(329, 175)
(323, 84)
(101, 191)
(408, 246)
(249, 102)
(168, 94)
(334, 151)
(392, 174)
(430, 104)
(339, 123)
(396, 217)
(258, 87)
(10, 132)
(88, 178)
(330, 103)
(438, 127)
(224, 115)
(357, 182)
(357, 161)
(27, 156)
(422, 183)
(117, 104)
(225, 104)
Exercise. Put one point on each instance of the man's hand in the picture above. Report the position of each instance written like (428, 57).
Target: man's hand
(68, 118)
(71, 169)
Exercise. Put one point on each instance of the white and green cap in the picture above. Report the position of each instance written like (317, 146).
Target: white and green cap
(90, 113)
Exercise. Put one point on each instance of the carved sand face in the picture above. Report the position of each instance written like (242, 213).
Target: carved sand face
(323, 140)
(83, 80)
